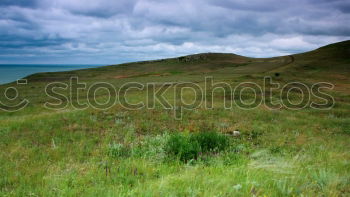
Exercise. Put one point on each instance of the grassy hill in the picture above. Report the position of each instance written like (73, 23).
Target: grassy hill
(147, 152)
(211, 63)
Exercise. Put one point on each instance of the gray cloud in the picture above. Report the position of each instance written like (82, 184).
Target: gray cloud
(22, 3)
(91, 31)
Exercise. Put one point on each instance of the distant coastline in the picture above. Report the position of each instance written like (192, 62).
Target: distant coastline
(12, 72)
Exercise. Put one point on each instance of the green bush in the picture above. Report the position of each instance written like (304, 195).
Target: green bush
(188, 147)
(211, 141)
(180, 146)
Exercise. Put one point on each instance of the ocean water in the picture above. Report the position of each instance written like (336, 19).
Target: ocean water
(13, 72)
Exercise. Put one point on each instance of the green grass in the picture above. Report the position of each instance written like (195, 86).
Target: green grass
(119, 152)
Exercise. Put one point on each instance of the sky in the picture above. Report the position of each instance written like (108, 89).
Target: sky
(111, 32)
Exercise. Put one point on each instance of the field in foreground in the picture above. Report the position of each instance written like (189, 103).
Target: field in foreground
(146, 152)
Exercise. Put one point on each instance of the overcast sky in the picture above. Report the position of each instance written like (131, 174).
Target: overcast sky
(115, 31)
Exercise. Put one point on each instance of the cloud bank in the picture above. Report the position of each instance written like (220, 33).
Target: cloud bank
(110, 32)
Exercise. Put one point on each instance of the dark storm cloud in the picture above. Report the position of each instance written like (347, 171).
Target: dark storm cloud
(104, 31)
(341, 5)
(22, 3)
(12, 42)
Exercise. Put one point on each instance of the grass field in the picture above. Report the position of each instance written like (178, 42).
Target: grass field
(147, 152)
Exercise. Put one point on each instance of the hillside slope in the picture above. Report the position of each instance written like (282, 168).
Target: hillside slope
(334, 56)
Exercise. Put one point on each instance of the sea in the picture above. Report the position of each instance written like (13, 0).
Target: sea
(13, 72)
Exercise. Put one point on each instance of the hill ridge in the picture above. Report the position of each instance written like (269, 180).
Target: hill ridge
(212, 63)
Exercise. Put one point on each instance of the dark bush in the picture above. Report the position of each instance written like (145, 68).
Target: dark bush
(180, 146)
(187, 147)
(210, 141)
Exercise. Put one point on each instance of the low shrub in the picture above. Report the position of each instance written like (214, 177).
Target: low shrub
(210, 141)
(188, 147)
(181, 146)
